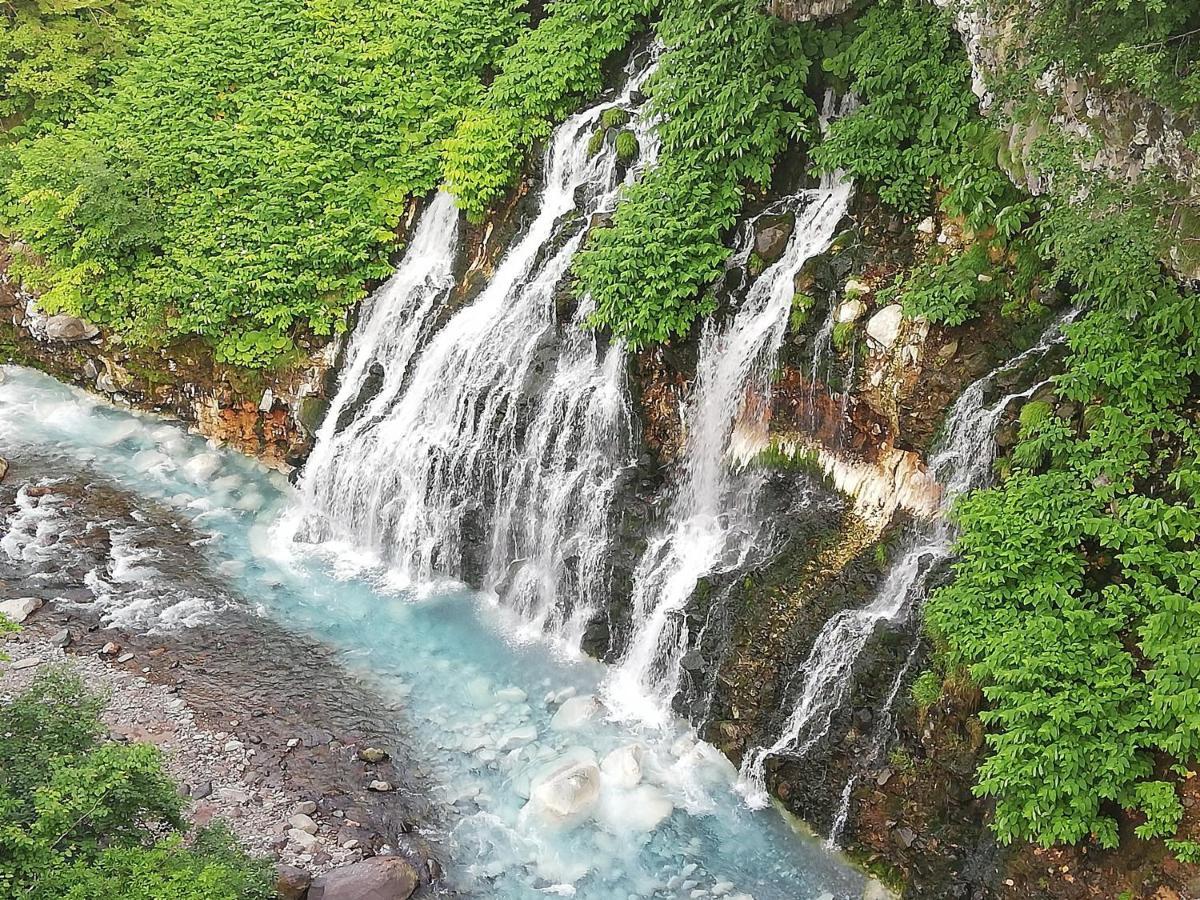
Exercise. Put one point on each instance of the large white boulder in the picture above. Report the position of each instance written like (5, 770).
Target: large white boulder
(575, 712)
(623, 767)
(20, 609)
(884, 327)
(564, 793)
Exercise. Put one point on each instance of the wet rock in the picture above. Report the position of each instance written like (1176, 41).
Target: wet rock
(291, 883)
(20, 609)
(693, 661)
(856, 288)
(372, 755)
(772, 237)
(378, 878)
(574, 713)
(884, 327)
(69, 329)
(623, 766)
(565, 793)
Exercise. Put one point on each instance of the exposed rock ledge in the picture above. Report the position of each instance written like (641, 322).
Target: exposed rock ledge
(271, 415)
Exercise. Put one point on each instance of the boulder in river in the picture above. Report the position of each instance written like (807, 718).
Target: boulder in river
(565, 794)
(772, 236)
(20, 608)
(377, 878)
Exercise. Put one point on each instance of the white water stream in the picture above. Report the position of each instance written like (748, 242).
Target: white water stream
(962, 463)
(497, 444)
(712, 524)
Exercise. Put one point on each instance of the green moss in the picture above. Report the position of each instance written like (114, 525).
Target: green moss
(627, 147)
(614, 118)
(597, 141)
(926, 689)
(802, 305)
(756, 264)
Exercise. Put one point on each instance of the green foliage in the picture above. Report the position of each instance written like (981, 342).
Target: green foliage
(843, 334)
(920, 132)
(56, 54)
(926, 689)
(614, 118)
(730, 92)
(1076, 601)
(245, 174)
(7, 626)
(84, 819)
(542, 78)
(1185, 851)
(627, 147)
(802, 305)
(1149, 46)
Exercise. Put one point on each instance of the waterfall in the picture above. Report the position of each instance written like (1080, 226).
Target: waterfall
(962, 463)
(711, 526)
(498, 439)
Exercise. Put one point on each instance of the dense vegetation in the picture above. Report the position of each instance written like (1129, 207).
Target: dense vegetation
(82, 818)
(1151, 46)
(542, 79)
(1076, 596)
(918, 139)
(247, 170)
(730, 93)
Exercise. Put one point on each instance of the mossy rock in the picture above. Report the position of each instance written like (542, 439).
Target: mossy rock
(614, 118)
(627, 147)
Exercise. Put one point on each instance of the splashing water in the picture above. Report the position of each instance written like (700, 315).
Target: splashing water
(492, 452)
(963, 463)
(712, 525)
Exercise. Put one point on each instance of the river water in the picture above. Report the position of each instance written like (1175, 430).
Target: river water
(618, 811)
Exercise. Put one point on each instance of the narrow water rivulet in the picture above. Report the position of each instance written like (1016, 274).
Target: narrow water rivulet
(962, 462)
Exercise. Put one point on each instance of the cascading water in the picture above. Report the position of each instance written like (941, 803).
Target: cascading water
(963, 463)
(712, 525)
(504, 430)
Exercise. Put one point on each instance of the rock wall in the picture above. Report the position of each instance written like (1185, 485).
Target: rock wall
(272, 415)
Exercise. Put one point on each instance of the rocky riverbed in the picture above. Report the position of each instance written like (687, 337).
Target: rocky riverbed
(261, 727)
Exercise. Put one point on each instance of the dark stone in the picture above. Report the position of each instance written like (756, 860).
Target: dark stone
(905, 836)
(772, 236)
(692, 661)
(377, 878)
(201, 790)
(291, 883)
(62, 638)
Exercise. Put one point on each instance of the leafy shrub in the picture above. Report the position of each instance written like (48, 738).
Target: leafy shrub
(245, 174)
(926, 689)
(1088, 549)
(542, 78)
(86, 819)
(54, 57)
(730, 93)
(920, 132)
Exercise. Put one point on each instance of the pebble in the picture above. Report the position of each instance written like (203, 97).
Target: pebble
(233, 746)
(124, 657)
(372, 755)
(303, 823)
(27, 663)
(380, 787)
(304, 808)
(303, 839)
(110, 649)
